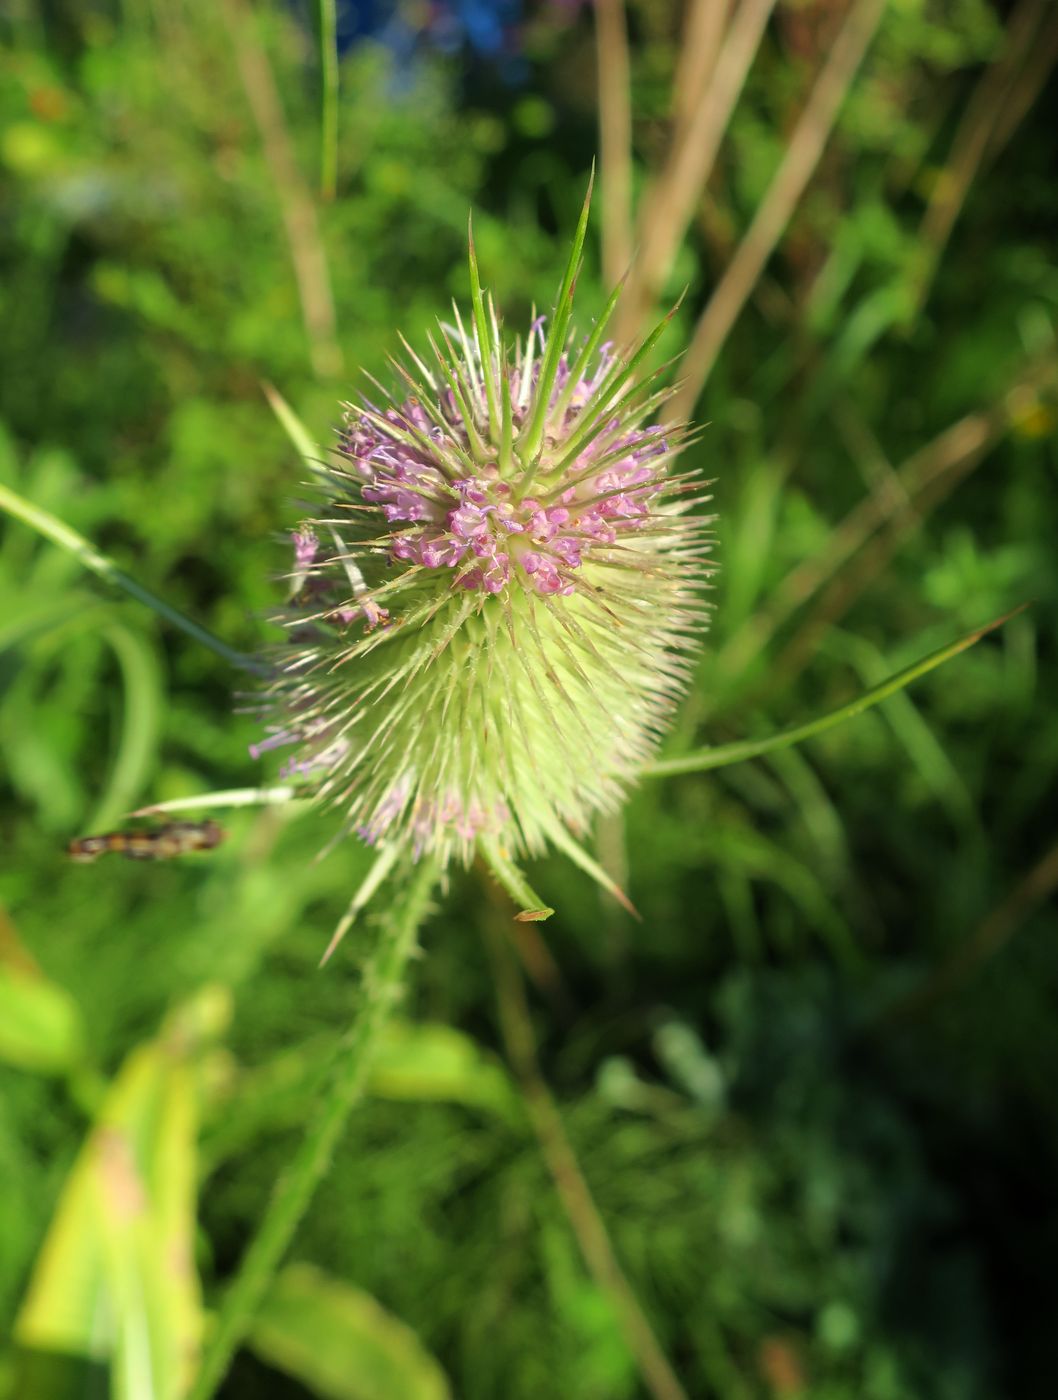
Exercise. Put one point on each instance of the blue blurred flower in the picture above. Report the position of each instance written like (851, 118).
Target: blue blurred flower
(486, 27)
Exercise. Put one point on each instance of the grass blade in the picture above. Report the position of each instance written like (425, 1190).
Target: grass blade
(56, 530)
(723, 754)
(304, 444)
(382, 982)
(142, 704)
(231, 797)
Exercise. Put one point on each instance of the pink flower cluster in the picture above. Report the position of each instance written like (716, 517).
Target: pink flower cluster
(312, 581)
(478, 527)
(465, 819)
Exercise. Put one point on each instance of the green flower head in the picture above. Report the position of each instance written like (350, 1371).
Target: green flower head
(496, 609)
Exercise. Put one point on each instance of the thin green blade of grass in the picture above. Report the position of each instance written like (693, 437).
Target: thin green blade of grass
(143, 701)
(721, 755)
(303, 442)
(230, 797)
(56, 530)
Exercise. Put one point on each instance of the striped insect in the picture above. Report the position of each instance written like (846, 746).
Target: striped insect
(149, 843)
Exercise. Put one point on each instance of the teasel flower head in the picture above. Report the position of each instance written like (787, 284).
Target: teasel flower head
(496, 609)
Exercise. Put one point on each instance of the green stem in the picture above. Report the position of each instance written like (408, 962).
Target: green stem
(383, 979)
(229, 797)
(720, 755)
(54, 529)
(587, 1224)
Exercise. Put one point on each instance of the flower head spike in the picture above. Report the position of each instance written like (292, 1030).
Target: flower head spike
(494, 614)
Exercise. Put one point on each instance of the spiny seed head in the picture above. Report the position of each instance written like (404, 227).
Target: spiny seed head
(494, 613)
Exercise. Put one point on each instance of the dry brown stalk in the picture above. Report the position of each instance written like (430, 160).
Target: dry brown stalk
(296, 205)
(901, 497)
(615, 137)
(930, 481)
(702, 36)
(1038, 65)
(573, 1191)
(788, 184)
(668, 207)
(990, 937)
(869, 562)
(877, 471)
(978, 130)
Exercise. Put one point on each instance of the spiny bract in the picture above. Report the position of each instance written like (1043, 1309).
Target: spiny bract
(493, 615)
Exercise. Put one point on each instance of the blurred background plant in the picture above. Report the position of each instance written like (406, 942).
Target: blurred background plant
(811, 1094)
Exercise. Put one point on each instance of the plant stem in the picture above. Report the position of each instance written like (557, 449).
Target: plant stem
(668, 206)
(54, 529)
(990, 937)
(896, 502)
(703, 33)
(230, 797)
(383, 980)
(615, 137)
(999, 95)
(800, 159)
(297, 208)
(720, 755)
(573, 1191)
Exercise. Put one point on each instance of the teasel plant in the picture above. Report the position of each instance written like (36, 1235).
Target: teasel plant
(495, 599)
(490, 618)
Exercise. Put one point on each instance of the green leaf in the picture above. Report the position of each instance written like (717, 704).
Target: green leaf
(421, 1062)
(428, 1062)
(723, 754)
(340, 1343)
(283, 795)
(40, 1023)
(115, 1278)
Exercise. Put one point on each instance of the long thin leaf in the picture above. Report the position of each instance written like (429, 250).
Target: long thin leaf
(56, 530)
(723, 754)
(40, 1022)
(114, 1281)
(560, 837)
(229, 797)
(302, 440)
(383, 864)
(340, 1343)
(140, 724)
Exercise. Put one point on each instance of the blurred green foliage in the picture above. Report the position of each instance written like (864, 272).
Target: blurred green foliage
(822, 1179)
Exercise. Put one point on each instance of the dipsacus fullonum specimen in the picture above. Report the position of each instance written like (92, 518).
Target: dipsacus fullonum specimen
(495, 611)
